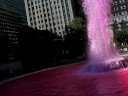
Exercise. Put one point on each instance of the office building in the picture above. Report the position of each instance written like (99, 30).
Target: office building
(11, 19)
(21, 9)
(52, 15)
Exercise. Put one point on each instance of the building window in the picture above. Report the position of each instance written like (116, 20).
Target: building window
(32, 8)
(28, 4)
(54, 28)
(45, 20)
(116, 8)
(33, 13)
(123, 1)
(46, 4)
(54, 23)
(121, 7)
(35, 23)
(124, 7)
(125, 12)
(29, 13)
(48, 14)
(61, 22)
(29, 9)
(122, 13)
(34, 18)
(43, 5)
(120, 2)
(57, 17)
(46, 25)
(115, 3)
(31, 3)
(50, 24)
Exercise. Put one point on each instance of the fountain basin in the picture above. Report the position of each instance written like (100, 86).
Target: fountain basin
(105, 67)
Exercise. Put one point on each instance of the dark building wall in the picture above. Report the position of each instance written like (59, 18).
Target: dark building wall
(3, 48)
(22, 11)
(10, 22)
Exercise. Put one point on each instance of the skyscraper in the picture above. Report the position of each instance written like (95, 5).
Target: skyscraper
(52, 15)
(21, 9)
(11, 18)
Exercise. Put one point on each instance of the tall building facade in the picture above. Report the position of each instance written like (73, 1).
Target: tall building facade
(21, 9)
(52, 15)
(11, 18)
(120, 15)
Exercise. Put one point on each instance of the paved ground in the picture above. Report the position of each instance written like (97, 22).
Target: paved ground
(65, 82)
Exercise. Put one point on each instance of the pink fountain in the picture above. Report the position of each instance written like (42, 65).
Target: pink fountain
(103, 55)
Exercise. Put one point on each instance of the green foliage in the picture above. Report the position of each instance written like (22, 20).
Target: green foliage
(76, 38)
(77, 24)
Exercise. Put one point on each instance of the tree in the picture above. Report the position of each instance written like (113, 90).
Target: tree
(76, 37)
(77, 24)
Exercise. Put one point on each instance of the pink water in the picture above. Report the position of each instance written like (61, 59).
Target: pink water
(100, 35)
(63, 82)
